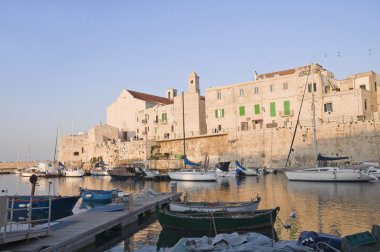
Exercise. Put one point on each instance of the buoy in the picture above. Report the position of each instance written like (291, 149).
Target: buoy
(287, 226)
(88, 195)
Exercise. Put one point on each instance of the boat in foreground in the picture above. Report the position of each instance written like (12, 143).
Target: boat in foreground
(329, 174)
(97, 195)
(245, 206)
(218, 221)
(61, 206)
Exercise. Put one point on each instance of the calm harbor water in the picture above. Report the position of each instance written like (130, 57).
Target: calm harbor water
(336, 208)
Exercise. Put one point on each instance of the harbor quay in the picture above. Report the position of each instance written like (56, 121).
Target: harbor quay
(78, 231)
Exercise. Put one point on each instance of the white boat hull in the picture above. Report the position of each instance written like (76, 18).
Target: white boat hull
(329, 175)
(192, 176)
(99, 173)
(73, 173)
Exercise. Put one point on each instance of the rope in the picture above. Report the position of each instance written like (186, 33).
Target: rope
(326, 244)
(286, 226)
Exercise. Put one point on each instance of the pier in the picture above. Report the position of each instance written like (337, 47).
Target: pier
(78, 231)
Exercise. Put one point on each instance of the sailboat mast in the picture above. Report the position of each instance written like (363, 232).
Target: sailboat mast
(314, 130)
(183, 126)
(314, 123)
(56, 141)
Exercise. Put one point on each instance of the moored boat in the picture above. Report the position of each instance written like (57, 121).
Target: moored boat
(244, 206)
(219, 221)
(194, 174)
(97, 195)
(61, 206)
(222, 170)
(329, 174)
(126, 172)
(244, 171)
(374, 171)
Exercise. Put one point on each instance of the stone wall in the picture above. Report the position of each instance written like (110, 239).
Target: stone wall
(266, 147)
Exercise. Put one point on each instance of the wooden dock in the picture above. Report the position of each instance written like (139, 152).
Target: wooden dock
(78, 231)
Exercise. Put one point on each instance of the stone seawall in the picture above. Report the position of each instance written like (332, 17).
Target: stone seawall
(266, 147)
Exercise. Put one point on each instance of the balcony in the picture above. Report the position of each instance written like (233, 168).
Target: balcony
(282, 113)
(257, 117)
(144, 121)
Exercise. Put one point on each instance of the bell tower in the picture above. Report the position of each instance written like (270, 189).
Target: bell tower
(193, 83)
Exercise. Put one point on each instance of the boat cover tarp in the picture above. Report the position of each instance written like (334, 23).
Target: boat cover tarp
(324, 158)
(188, 162)
(239, 165)
(235, 242)
(223, 166)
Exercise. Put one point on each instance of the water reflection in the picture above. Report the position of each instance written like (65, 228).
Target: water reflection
(335, 208)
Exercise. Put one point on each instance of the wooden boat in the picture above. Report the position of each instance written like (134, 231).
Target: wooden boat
(245, 206)
(97, 195)
(219, 221)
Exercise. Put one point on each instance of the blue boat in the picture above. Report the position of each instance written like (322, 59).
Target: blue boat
(61, 206)
(98, 195)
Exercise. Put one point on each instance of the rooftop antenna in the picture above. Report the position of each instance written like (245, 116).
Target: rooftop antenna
(370, 58)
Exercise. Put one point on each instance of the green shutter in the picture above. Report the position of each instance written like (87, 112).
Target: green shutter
(222, 112)
(286, 108)
(242, 110)
(272, 109)
(257, 109)
(216, 113)
(164, 117)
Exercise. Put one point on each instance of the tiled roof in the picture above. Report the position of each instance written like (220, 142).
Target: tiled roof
(149, 98)
(270, 75)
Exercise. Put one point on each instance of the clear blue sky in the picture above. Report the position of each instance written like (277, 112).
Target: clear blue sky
(65, 61)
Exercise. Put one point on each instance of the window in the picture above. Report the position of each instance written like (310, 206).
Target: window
(241, 92)
(271, 88)
(285, 85)
(365, 104)
(312, 87)
(242, 110)
(257, 109)
(244, 126)
(155, 130)
(219, 95)
(272, 109)
(256, 90)
(76, 153)
(328, 107)
(219, 113)
(286, 108)
(164, 117)
(363, 87)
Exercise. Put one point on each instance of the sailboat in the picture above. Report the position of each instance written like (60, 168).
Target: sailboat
(72, 171)
(197, 173)
(326, 173)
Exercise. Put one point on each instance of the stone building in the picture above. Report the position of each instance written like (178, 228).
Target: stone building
(252, 121)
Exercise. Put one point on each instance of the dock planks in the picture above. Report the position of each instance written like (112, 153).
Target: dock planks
(77, 231)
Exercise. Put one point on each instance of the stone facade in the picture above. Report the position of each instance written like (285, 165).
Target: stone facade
(253, 122)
